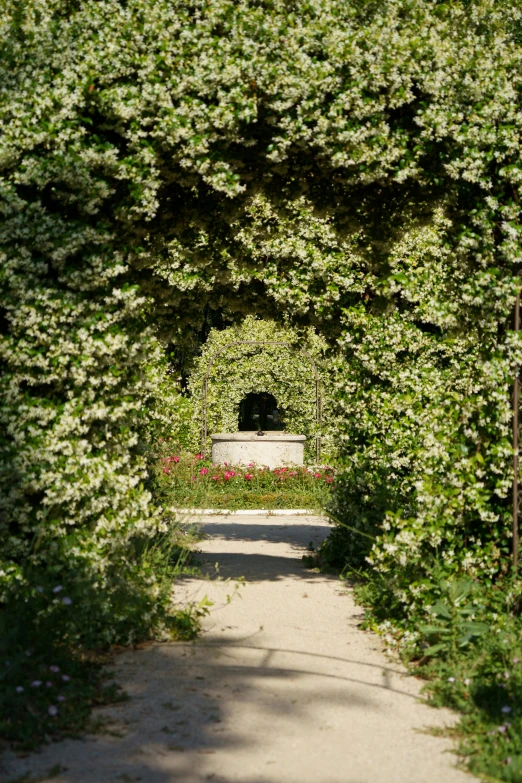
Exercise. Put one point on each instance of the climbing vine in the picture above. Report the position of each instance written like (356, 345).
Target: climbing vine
(281, 370)
(352, 167)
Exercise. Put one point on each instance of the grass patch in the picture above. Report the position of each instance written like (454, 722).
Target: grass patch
(47, 693)
(58, 634)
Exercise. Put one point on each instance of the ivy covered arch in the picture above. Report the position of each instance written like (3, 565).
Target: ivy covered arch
(349, 166)
(283, 362)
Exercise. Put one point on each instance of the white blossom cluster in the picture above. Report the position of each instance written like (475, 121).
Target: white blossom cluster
(350, 167)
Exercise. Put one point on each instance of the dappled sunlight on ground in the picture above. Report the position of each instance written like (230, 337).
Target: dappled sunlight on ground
(281, 687)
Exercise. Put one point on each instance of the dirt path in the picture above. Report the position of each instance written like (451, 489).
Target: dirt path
(282, 687)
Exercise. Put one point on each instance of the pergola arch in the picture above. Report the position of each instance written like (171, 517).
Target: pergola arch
(217, 354)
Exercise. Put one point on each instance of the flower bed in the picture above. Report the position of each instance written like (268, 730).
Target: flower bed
(187, 480)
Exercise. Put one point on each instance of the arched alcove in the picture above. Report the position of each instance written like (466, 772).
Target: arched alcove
(259, 410)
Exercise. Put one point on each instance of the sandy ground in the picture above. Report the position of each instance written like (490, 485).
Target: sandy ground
(282, 686)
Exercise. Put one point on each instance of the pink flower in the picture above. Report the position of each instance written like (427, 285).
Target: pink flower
(228, 474)
(203, 471)
(250, 464)
(248, 476)
(192, 478)
(328, 479)
(166, 471)
(292, 473)
(199, 456)
(316, 475)
(173, 459)
(214, 478)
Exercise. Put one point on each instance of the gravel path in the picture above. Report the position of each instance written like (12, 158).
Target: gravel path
(282, 687)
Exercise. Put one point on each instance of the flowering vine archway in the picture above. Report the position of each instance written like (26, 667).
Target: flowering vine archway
(332, 166)
(263, 344)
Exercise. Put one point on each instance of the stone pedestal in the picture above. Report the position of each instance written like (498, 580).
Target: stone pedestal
(272, 450)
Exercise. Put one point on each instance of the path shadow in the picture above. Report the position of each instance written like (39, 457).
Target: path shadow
(188, 700)
(182, 700)
(297, 535)
(256, 568)
(261, 566)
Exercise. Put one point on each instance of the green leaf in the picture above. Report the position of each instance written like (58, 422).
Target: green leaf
(429, 630)
(435, 648)
(439, 608)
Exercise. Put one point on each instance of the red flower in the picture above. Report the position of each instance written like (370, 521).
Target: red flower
(316, 475)
(228, 474)
(199, 456)
(203, 471)
(248, 476)
(214, 478)
(174, 459)
(166, 470)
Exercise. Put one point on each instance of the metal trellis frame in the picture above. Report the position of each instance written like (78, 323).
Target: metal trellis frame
(204, 391)
(516, 446)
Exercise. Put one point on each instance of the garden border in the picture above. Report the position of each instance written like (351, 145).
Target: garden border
(273, 512)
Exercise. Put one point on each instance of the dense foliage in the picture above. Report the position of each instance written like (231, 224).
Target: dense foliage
(349, 166)
(356, 166)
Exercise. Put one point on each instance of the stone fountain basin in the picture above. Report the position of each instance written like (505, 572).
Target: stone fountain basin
(273, 449)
